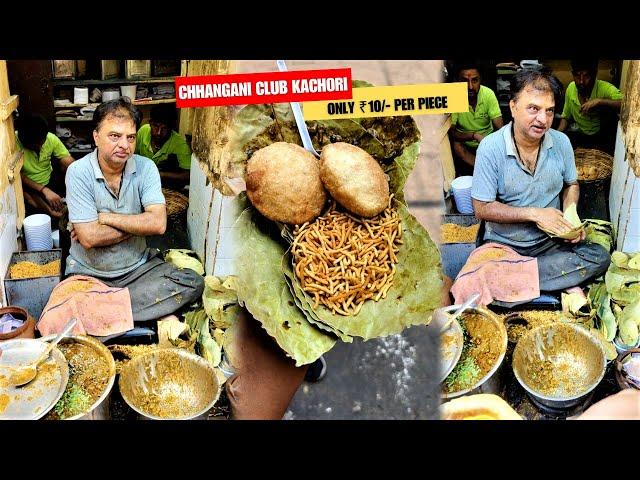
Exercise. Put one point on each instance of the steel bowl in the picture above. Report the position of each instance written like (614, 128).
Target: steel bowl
(492, 381)
(451, 342)
(101, 404)
(559, 364)
(169, 384)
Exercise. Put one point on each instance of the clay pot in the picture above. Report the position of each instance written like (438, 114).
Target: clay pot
(27, 330)
(621, 376)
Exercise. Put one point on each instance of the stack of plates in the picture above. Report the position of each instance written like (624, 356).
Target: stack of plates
(37, 232)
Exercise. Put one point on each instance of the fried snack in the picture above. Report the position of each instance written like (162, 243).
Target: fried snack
(342, 260)
(354, 178)
(283, 183)
(453, 233)
(34, 270)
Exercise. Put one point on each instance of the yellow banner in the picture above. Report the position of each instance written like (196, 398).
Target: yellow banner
(424, 99)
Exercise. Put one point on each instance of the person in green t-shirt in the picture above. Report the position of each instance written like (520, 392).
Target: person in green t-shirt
(469, 128)
(43, 184)
(159, 141)
(591, 105)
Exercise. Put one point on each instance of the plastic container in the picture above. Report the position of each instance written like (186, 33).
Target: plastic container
(128, 91)
(37, 232)
(55, 237)
(461, 190)
(109, 95)
(80, 95)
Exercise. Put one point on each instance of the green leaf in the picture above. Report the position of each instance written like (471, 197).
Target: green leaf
(415, 293)
(264, 292)
(607, 317)
(401, 168)
(619, 259)
(635, 262)
(183, 258)
(218, 298)
(631, 312)
(208, 347)
(629, 333)
(574, 303)
(303, 302)
(571, 215)
(195, 319)
(623, 284)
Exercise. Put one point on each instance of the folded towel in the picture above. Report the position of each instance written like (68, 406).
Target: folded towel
(498, 273)
(99, 309)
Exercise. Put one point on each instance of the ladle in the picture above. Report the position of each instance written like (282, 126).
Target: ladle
(24, 375)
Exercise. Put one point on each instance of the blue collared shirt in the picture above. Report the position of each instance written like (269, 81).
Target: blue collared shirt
(88, 194)
(500, 175)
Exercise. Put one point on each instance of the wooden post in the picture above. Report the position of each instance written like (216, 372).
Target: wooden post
(630, 113)
(10, 157)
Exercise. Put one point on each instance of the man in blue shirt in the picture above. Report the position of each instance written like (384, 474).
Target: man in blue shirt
(524, 178)
(115, 201)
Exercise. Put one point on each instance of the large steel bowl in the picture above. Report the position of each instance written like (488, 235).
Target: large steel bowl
(559, 364)
(169, 384)
(491, 382)
(101, 404)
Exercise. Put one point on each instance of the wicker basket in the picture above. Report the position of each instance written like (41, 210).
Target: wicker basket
(593, 164)
(176, 202)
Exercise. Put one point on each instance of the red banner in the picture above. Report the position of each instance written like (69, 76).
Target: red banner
(269, 87)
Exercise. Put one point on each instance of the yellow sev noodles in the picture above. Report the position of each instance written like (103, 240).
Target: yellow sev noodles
(343, 260)
(33, 270)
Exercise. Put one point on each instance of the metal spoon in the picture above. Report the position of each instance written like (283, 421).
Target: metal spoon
(441, 317)
(297, 113)
(24, 375)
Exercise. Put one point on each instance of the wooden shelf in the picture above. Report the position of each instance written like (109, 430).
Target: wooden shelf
(75, 105)
(136, 102)
(155, 102)
(113, 81)
(73, 119)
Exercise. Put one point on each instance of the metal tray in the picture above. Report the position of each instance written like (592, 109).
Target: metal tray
(35, 399)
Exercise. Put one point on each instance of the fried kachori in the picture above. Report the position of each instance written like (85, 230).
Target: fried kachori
(283, 183)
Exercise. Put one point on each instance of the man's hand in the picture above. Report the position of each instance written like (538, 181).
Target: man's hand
(589, 105)
(53, 199)
(579, 238)
(551, 219)
(74, 235)
(624, 405)
(478, 137)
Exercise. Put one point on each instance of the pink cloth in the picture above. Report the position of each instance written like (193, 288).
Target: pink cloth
(497, 272)
(99, 309)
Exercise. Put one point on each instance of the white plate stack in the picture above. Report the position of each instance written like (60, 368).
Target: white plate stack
(37, 232)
